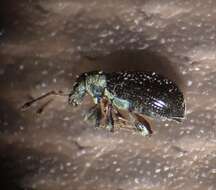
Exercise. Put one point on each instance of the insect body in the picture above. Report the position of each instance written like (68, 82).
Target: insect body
(139, 93)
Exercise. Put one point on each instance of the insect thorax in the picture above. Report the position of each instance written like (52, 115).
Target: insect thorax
(95, 85)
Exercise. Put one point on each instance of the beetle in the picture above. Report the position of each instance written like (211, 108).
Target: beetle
(138, 93)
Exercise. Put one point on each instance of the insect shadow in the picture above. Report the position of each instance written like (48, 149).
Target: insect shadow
(10, 118)
(132, 60)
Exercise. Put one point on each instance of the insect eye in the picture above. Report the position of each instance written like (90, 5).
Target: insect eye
(97, 91)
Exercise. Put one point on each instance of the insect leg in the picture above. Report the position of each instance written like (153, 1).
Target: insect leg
(119, 115)
(109, 118)
(94, 115)
(144, 122)
(143, 127)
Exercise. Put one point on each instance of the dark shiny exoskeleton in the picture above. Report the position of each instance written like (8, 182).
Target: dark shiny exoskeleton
(140, 93)
(148, 93)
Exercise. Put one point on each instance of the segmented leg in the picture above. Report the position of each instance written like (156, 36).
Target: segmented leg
(119, 116)
(143, 127)
(94, 115)
(109, 118)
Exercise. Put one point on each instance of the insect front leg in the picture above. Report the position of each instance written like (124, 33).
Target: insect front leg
(94, 115)
(109, 118)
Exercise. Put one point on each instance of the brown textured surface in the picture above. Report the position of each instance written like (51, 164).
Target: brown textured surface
(44, 44)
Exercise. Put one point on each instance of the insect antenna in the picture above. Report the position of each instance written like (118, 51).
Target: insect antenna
(50, 93)
(41, 109)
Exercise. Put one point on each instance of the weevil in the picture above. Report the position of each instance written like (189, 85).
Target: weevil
(138, 93)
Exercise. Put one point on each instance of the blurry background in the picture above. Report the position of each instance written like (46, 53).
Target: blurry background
(45, 44)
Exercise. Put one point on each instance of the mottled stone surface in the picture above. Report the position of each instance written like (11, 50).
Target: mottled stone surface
(45, 44)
